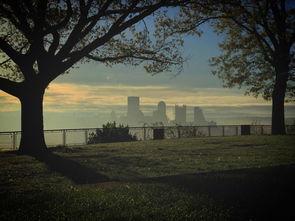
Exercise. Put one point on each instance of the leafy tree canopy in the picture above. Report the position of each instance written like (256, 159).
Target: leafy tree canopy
(36, 35)
(42, 39)
(255, 32)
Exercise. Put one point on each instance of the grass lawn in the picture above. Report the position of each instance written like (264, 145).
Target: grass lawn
(216, 178)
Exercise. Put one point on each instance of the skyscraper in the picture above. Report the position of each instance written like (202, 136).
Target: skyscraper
(160, 114)
(180, 114)
(134, 115)
(133, 106)
(199, 118)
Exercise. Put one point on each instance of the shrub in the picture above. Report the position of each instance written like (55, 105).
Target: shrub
(111, 133)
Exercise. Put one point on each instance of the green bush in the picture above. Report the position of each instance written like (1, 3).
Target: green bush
(111, 133)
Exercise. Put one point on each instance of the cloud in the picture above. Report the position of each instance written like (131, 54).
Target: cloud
(60, 97)
(87, 97)
(84, 97)
(8, 102)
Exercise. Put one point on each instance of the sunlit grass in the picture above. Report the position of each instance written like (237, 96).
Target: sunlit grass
(179, 179)
(180, 156)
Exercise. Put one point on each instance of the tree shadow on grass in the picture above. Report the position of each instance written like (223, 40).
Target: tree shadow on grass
(255, 194)
(76, 172)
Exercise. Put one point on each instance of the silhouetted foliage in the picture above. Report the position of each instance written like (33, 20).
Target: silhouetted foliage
(43, 39)
(258, 51)
(111, 133)
(257, 48)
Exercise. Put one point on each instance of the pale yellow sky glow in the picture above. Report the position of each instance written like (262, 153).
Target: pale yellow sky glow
(61, 97)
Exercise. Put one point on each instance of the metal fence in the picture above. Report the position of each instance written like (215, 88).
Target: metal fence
(69, 137)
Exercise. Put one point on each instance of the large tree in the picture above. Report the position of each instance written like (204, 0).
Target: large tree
(258, 51)
(42, 39)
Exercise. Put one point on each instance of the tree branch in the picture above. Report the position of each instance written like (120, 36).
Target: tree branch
(118, 27)
(23, 24)
(143, 8)
(113, 31)
(74, 36)
(292, 40)
(64, 22)
(8, 14)
(13, 54)
(4, 62)
(260, 39)
(20, 50)
(55, 42)
(105, 59)
(10, 87)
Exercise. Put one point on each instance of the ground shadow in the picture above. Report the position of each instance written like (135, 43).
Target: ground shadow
(255, 194)
(78, 173)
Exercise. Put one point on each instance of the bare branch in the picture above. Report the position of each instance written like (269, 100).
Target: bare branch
(143, 8)
(102, 12)
(74, 36)
(113, 31)
(139, 57)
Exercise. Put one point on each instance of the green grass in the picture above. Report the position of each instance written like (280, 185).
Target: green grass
(217, 178)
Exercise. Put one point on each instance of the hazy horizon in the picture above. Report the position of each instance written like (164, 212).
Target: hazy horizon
(86, 96)
(222, 115)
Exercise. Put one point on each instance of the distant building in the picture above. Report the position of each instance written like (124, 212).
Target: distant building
(159, 115)
(134, 114)
(133, 105)
(135, 117)
(199, 118)
(113, 116)
(180, 114)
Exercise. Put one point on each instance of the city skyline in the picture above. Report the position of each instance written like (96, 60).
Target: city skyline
(135, 117)
(94, 89)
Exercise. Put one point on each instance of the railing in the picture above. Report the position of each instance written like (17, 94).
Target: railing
(67, 137)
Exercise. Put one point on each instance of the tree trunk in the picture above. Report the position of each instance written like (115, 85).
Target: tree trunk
(32, 139)
(278, 99)
(278, 113)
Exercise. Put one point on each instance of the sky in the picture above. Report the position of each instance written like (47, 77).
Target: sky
(87, 95)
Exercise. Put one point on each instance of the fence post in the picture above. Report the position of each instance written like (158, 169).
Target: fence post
(64, 141)
(237, 130)
(178, 131)
(262, 132)
(209, 131)
(144, 133)
(14, 140)
(223, 131)
(86, 136)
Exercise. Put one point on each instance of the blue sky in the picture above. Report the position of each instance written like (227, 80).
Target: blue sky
(86, 96)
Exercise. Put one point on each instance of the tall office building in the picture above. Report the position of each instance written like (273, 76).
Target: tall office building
(134, 115)
(160, 114)
(133, 105)
(199, 118)
(180, 114)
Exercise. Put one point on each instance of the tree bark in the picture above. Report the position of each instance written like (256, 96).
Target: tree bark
(278, 112)
(278, 98)
(32, 137)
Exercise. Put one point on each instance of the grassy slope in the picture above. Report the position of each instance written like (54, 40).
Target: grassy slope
(220, 178)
